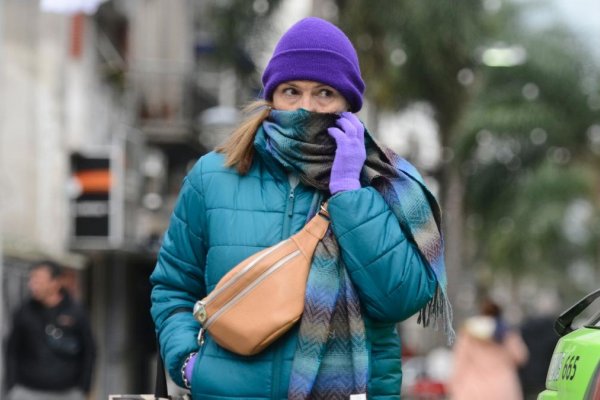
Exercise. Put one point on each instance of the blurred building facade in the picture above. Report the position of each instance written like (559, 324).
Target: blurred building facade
(102, 114)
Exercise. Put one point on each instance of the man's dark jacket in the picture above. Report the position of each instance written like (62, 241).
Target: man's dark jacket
(50, 348)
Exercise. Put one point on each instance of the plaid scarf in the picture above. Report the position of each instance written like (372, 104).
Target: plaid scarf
(331, 360)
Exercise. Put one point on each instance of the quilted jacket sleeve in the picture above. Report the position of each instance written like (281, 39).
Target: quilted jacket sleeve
(392, 279)
(178, 278)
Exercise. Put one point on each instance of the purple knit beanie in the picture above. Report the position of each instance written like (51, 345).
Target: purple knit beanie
(316, 50)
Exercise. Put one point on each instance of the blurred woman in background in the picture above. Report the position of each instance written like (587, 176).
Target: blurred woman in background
(487, 355)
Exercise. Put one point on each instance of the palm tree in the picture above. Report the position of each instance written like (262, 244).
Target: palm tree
(527, 160)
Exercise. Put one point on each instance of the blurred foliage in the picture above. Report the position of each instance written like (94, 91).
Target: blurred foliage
(527, 235)
(113, 26)
(526, 158)
(414, 50)
(233, 23)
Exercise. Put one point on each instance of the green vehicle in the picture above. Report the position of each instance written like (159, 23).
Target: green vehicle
(574, 372)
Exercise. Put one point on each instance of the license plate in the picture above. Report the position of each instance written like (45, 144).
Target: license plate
(555, 366)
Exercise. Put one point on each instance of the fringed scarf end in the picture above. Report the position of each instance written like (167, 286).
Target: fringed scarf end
(439, 311)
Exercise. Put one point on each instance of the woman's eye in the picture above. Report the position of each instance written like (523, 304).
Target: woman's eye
(325, 93)
(290, 91)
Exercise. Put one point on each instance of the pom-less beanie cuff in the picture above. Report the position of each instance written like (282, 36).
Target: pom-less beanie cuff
(322, 66)
(316, 50)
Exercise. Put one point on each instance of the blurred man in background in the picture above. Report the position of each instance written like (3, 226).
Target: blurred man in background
(540, 338)
(50, 350)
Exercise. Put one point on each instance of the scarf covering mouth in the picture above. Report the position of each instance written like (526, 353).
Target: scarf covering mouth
(331, 359)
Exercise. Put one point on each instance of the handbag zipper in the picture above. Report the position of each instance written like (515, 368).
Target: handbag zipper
(200, 306)
(250, 287)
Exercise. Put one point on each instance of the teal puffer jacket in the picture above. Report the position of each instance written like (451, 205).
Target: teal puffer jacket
(221, 218)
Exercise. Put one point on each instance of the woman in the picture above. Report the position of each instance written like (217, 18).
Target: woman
(486, 358)
(302, 145)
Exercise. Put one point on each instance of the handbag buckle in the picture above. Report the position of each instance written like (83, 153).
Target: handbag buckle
(323, 211)
(199, 311)
(200, 338)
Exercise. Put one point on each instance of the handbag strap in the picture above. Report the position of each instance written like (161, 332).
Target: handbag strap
(160, 389)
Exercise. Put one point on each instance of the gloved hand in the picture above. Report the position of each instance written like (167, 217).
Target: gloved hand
(501, 330)
(189, 368)
(350, 155)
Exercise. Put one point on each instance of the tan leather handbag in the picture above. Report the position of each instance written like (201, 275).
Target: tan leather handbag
(263, 296)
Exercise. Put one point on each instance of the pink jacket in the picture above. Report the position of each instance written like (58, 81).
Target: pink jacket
(485, 369)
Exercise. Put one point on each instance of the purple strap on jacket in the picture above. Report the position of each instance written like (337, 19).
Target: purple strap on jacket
(350, 155)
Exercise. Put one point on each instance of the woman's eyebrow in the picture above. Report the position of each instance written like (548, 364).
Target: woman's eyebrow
(286, 85)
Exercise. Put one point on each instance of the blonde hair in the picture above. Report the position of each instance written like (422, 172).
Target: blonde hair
(239, 147)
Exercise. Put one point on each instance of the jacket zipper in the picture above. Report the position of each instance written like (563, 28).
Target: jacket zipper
(274, 268)
(289, 209)
(293, 181)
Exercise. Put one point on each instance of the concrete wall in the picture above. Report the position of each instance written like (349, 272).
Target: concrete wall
(50, 101)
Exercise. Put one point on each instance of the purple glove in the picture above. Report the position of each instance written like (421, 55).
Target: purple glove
(189, 368)
(350, 154)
